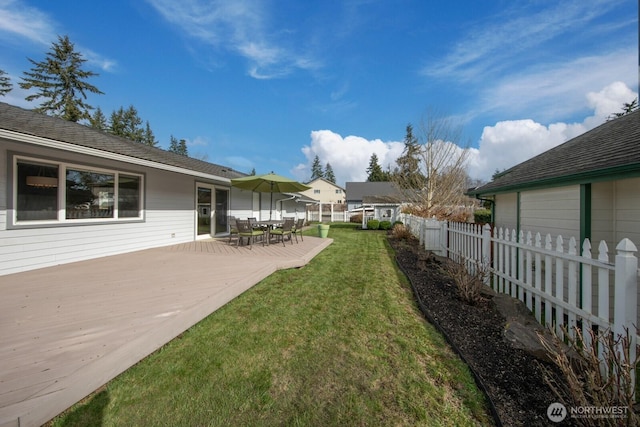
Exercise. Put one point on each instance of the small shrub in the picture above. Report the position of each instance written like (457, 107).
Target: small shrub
(385, 225)
(400, 231)
(468, 284)
(357, 218)
(482, 216)
(398, 222)
(373, 224)
(588, 380)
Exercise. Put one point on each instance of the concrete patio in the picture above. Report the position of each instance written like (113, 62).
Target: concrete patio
(69, 329)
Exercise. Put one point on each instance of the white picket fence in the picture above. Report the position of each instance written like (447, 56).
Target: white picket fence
(561, 283)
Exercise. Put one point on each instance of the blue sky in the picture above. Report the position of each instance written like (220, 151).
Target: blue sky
(271, 84)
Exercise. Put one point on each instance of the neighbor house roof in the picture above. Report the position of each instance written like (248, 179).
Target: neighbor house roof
(310, 183)
(372, 192)
(609, 150)
(29, 126)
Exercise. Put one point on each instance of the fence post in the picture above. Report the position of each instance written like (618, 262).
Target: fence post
(626, 296)
(486, 253)
(445, 238)
(626, 283)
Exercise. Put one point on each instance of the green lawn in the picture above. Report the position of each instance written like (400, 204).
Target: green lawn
(338, 342)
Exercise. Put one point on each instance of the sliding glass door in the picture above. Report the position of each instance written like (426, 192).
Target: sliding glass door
(212, 210)
(204, 211)
(221, 225)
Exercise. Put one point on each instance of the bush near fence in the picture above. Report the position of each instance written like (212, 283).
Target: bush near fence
(482, 216)
(373, 224)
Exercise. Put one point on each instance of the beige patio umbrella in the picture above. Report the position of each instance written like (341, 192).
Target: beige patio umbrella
(269, 183)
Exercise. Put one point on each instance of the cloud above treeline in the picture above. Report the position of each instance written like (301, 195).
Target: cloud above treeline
(500, 147)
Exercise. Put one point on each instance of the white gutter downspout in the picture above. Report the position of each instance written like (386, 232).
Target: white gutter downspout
(283, 200)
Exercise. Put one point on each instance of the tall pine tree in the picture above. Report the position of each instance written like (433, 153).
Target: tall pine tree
(374, 171)
(98, 120)
(178, 146)
(127, 124)
(316, 169)
(148, 137)
(61, 82)
(408, 170)
(328, 173)
(5, 83)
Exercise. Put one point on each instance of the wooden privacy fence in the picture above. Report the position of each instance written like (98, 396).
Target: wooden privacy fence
(562, 283)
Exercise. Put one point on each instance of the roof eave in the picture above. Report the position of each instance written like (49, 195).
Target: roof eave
(606, 174)
(65, 146)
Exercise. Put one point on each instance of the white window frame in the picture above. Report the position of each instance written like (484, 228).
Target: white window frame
(62, 173)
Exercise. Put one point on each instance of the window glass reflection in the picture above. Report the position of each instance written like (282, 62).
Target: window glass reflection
(128, 196)
(37, 192)
(89, 194)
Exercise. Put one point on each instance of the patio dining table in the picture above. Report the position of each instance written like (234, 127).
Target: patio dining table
(268, 225)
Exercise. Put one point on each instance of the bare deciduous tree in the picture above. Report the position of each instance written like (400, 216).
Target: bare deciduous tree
(443, 164)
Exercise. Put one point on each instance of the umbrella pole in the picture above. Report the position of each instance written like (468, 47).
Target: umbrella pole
(271, 202)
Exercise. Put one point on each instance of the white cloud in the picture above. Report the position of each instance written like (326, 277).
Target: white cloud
(508, 143)
(517, 29)
(20, 21)
(97, 60)
(349, 156)
(558, 90)
(239, 26)
(501, 146)
(16, 18)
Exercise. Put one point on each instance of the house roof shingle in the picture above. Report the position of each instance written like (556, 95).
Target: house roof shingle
(372, 192)
(27, 122)
(611, 148)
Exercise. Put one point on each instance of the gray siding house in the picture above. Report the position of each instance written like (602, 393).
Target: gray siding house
(381, 200)
(70, 193)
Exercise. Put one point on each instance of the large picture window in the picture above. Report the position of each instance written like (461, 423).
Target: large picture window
(37, 192)
(89, 194)
(68, 193)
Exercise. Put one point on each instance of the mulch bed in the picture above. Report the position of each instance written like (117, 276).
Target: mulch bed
(512, 378)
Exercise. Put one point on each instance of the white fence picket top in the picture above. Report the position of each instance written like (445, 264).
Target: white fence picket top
(557, 283)
(548, 279)
(538, 276)
(585, 294)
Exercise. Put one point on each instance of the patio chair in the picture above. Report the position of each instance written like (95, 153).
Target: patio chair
(297, 229)
(233, 230)
(253, 223)
(285, 230)
(245, 230)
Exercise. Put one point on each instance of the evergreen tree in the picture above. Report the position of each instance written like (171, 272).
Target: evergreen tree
(408, 170)
(5, 83)
(148, 137)
(328, 173)
(316, 169)
(173, 144)
(98, 120)
(127, 124)
(61, 82)
(374, 171)
(627, 107)
(183, 148)
(253, 172)
(178, 146)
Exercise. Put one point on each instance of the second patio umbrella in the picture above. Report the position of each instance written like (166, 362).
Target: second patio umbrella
(269, 183)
